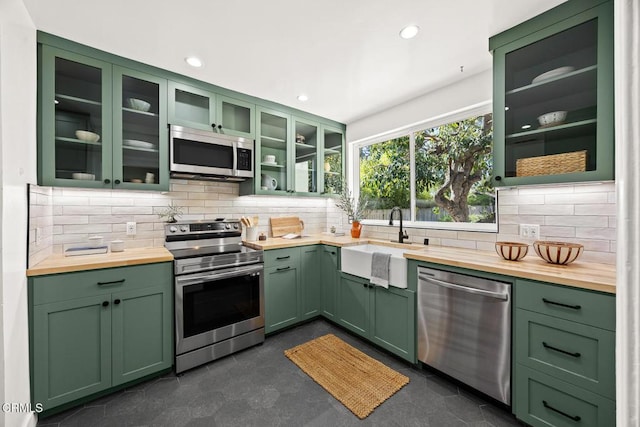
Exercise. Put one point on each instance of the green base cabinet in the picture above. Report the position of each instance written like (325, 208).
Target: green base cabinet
(282, 294)
(564, 355)
(330, 267)
(383, 316)
(311, 281)
(94, 330)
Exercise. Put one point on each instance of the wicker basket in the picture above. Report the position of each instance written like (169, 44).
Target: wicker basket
(554, 164)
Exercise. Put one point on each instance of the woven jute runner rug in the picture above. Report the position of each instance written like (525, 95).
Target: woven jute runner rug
(360, 382)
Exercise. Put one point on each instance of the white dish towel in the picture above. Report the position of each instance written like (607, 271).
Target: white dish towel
(380, 269)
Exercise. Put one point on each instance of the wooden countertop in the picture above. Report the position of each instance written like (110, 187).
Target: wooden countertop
(585, 275)
(58, 263)
(592, 276)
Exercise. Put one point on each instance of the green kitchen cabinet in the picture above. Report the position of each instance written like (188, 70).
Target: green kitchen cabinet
(333, 144)
(310, 281)
(553, 97)
(306, 151)
(564, 355)
(383, 316)
(200, 108)
(330, 267)
(100, 125)
(95, 330)
(282, 288)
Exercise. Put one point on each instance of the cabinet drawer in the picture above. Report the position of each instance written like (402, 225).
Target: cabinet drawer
(579, 354)
(279, 257)
(66, 286)
(590, 308)
(542, 400)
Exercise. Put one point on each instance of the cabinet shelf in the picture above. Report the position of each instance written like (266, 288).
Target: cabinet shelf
(77, 141)
(270, 142)
(74, 99)
(551, 129)
(144, 113)
(331, 152)
(305, 156)
(304, 146)
(562, 79)
(271, 166)
(148, 150)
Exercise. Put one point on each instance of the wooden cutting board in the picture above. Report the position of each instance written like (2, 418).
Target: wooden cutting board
(285, 224)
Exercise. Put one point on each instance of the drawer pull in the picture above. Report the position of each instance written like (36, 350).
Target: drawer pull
(573, 417)
(283, 257)
(113, 282)
(283, 268)
(545, 345)
(573, 307)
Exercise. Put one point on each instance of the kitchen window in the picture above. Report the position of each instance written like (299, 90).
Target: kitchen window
(438, 173)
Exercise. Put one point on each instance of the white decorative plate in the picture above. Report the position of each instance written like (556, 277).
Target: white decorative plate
(553, 73)
(137, 144)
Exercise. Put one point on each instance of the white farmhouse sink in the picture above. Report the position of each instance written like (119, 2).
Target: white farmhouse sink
(356, 260)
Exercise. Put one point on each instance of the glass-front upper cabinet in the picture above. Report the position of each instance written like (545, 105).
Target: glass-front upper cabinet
(75, 134)
(306, 156)
(553, 107)
(140, 158)
(202, 109)
(273, 170)
(332, 169)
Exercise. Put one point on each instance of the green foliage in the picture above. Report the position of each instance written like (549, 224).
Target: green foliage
(355, 209)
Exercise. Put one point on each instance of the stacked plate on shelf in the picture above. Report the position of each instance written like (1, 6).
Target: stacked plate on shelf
(556, 72)
(137, 144)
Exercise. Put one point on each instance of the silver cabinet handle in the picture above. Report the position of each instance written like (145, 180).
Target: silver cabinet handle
(467, 289)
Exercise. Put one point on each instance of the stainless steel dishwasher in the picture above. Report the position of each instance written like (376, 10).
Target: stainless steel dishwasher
(464, 329)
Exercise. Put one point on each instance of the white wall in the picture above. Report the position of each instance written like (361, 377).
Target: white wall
(18, 161)
(470, 91)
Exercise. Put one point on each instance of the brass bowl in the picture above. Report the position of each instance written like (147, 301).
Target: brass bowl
(512, 251)
(558, 252)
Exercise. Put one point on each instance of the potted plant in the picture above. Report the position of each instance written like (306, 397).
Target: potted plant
(355, 209)
(171, 212)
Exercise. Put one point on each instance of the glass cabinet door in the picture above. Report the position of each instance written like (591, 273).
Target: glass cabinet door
(333, 142)
(553, 102)
(140, 138)
(272, 152)
(235, 117)
(306, 156)
(192, 107)
(75, 139)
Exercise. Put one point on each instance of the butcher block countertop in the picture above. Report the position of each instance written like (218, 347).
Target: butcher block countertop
(58, 263)
(585, 275)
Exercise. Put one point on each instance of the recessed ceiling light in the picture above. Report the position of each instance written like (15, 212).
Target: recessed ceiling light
(302, 97)
(409, 32)
(194, 61)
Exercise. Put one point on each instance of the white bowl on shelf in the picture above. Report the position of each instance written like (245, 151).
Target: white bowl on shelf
(85, 135)
(556, 72)
(552, 118)
(83, 176)
(138, 104)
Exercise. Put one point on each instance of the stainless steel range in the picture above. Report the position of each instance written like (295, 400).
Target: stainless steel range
(219, 291)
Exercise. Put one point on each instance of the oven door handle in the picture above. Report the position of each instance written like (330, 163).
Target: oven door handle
(184, 268)
(218, 275)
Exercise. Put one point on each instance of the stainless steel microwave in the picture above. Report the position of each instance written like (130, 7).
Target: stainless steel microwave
(200, 154)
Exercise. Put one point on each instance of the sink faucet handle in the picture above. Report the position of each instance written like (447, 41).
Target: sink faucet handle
(405, 235)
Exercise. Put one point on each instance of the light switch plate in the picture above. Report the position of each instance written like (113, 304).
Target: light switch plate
(530, 231)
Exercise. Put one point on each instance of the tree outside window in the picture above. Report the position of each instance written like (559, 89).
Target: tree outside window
(452, 173)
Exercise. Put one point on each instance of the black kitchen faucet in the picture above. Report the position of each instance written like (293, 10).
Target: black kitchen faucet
(401, 235)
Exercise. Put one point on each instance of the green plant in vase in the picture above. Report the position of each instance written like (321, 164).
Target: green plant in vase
(171, 213)
(356, 209)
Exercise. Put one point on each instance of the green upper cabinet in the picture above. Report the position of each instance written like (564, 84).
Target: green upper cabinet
(333, 159)
(307, 136)
(553, 96)
(101, 126)
(140, 153)
(202, 109)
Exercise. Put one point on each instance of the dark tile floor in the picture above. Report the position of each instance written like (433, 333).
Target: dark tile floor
(261, 387)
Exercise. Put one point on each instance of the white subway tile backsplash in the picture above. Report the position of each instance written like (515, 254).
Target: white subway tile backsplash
(576, 198)
(517, 199)
(577, 221)
(596, 233)
(564, 210)
(597, 209)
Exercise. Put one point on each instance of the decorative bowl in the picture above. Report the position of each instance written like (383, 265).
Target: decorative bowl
(138, 104)
(83, 176)
(558, 252)
(85, 135)
(512, 251)
(552, 118)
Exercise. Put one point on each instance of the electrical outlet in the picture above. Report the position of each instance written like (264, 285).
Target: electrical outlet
(131, 228)
(530, 231)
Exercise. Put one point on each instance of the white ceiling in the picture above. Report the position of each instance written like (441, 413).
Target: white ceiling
(346, 55)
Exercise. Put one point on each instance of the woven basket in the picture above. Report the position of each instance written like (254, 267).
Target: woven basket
(554, 164)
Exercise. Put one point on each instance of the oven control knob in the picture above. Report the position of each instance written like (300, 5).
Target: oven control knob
(184, 228)
(173, 229)
(235, 226)
(227, 226)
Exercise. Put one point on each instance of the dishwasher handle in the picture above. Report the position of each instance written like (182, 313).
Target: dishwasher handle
(496, 295)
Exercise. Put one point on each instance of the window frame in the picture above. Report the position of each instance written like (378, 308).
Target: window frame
(353, 167)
